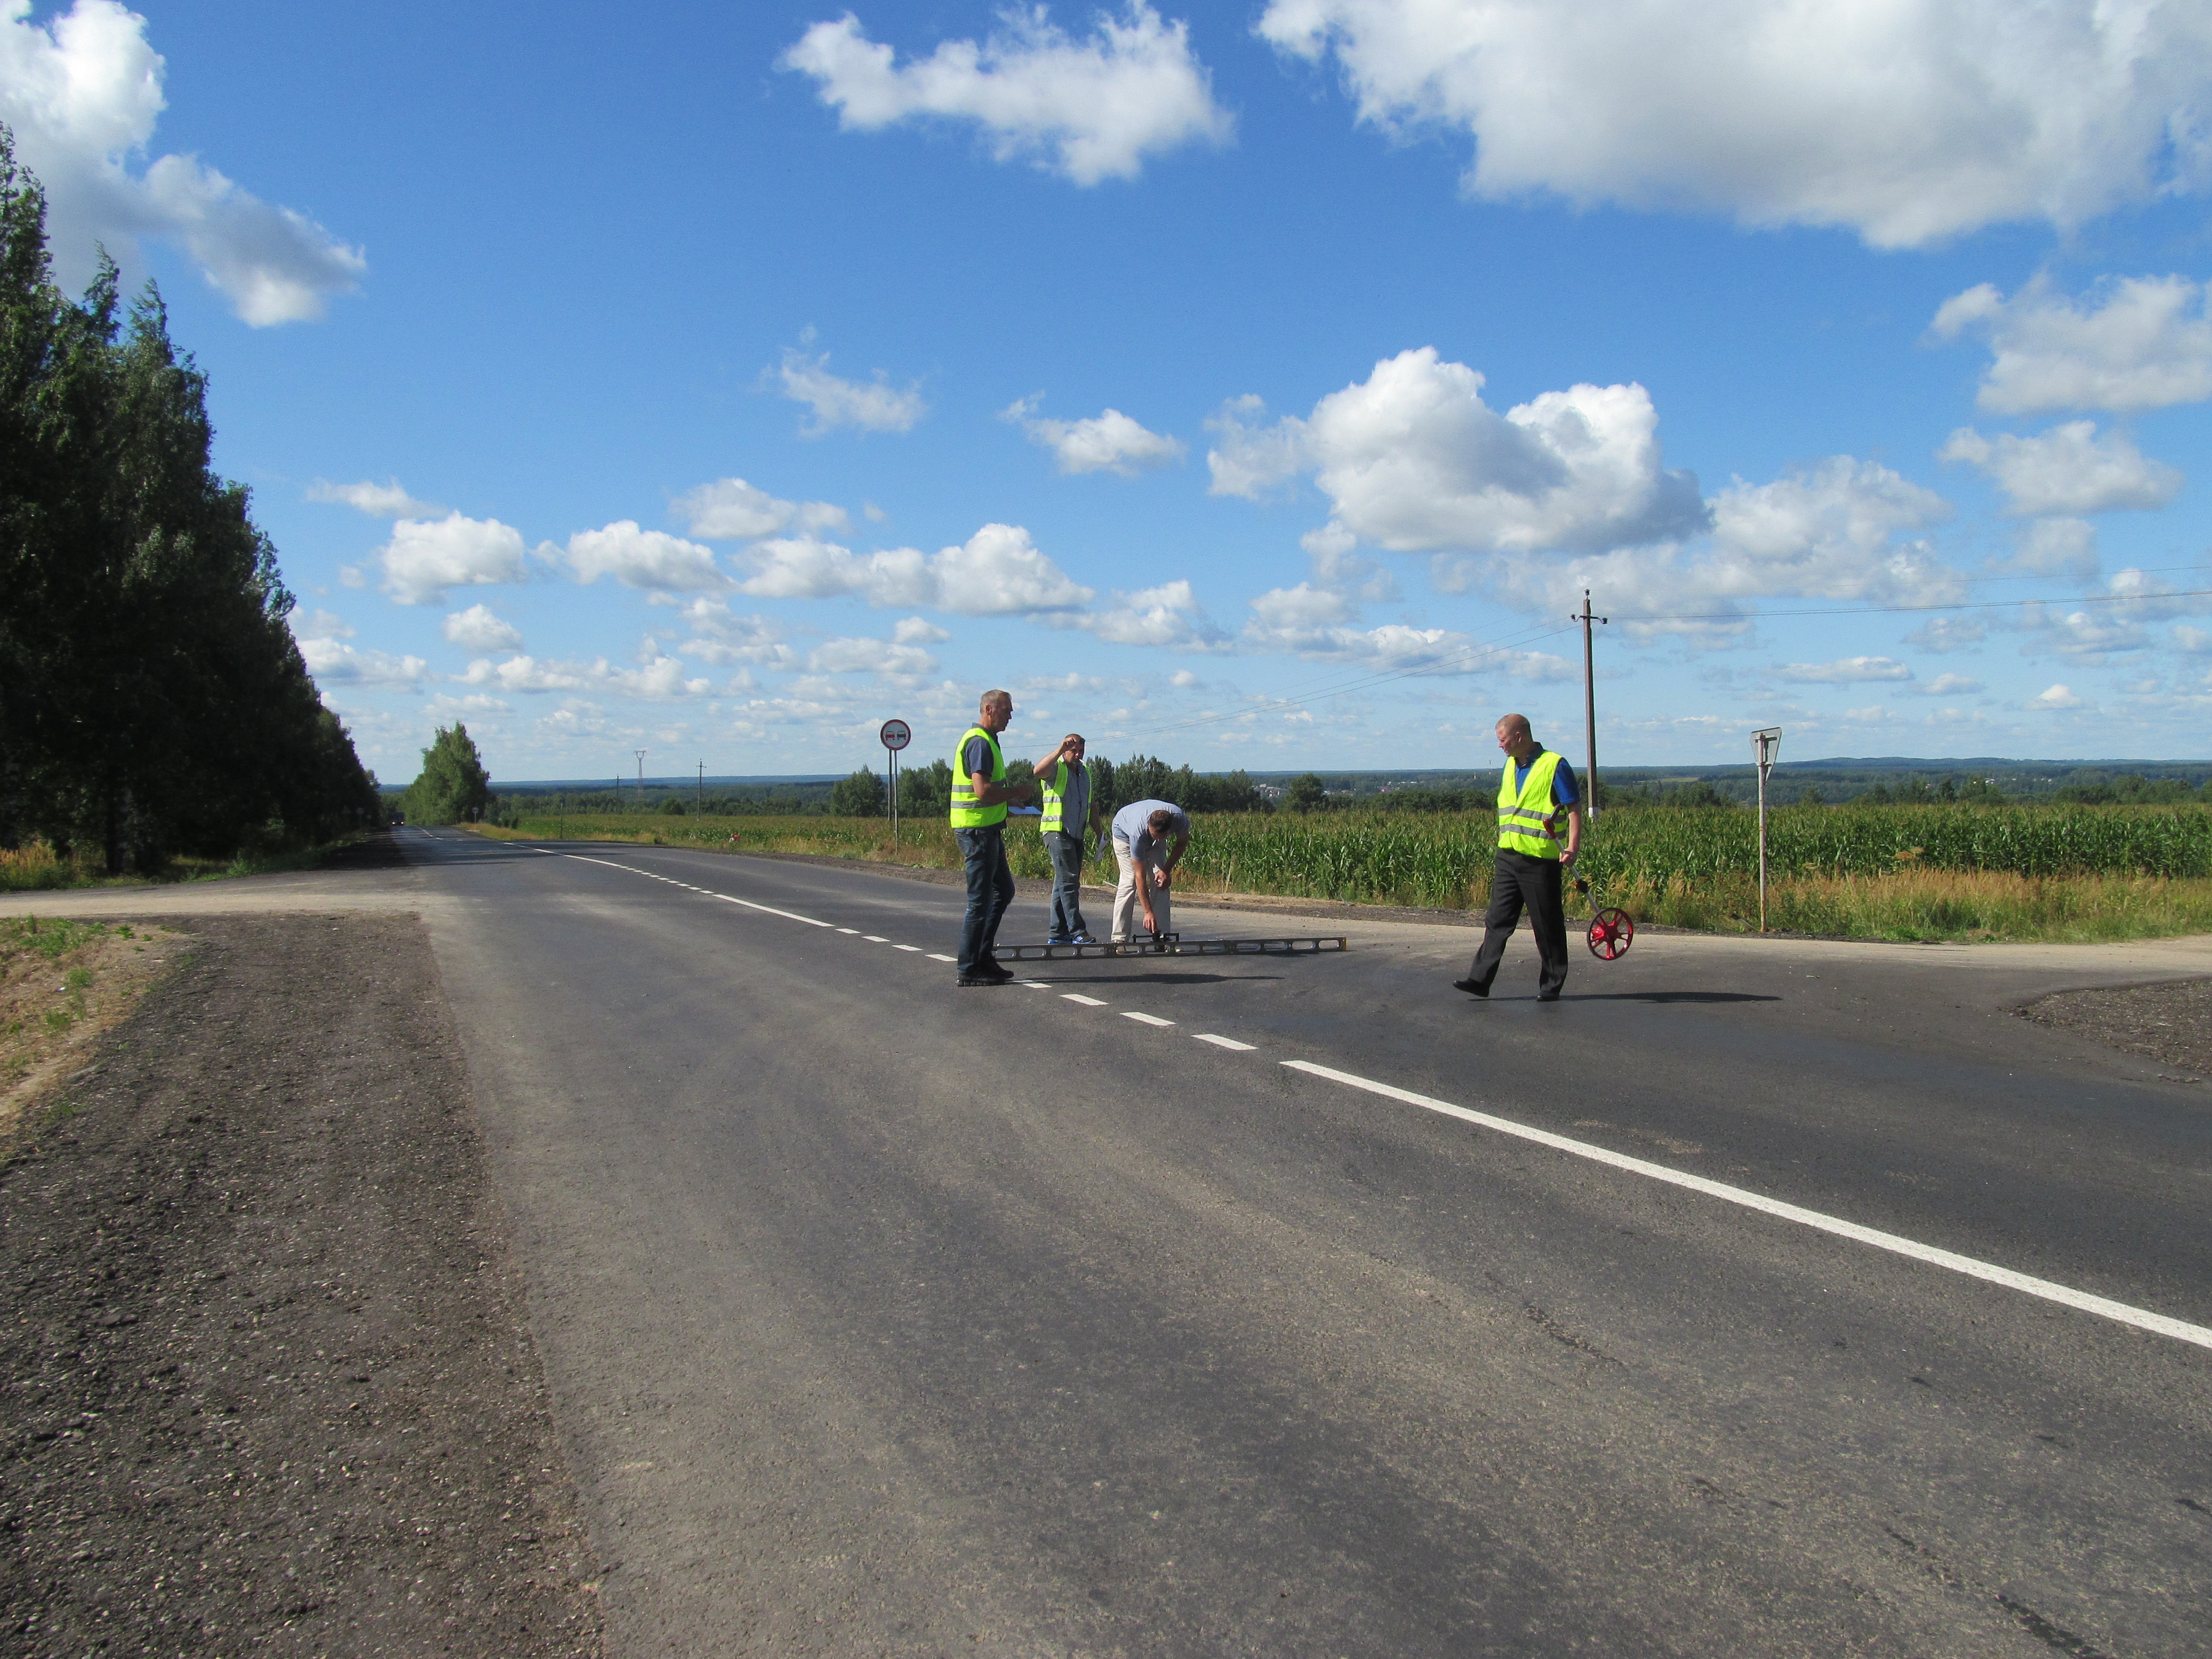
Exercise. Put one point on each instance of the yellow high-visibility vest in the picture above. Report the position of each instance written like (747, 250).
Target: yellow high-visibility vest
(1525, 816)
(966, 814)
(1056, 802)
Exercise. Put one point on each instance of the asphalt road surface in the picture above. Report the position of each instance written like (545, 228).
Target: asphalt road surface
(1167, 1307)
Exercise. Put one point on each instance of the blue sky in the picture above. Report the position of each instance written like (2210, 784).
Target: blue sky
(1254, 385)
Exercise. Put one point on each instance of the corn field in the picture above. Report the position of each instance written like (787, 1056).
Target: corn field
(1444, 861)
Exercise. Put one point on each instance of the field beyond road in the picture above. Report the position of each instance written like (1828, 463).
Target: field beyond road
(2065, 873)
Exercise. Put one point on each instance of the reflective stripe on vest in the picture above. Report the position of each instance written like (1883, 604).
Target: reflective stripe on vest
(1524, 819)
(966, 815)
(1055, 800)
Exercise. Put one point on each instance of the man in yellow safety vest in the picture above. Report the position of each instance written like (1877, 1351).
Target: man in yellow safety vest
(980, 794)
(1071, 813)
(1537, 790)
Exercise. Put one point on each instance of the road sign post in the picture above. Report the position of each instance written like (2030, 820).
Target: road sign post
(1765, 744)
(896, 735)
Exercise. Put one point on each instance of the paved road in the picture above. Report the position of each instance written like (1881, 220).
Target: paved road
(883, 1316)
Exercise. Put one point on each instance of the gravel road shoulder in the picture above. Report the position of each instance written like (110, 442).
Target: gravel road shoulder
(2171, 1023)
(270, 1386)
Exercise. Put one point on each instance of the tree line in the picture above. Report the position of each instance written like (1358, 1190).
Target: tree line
(152, 700)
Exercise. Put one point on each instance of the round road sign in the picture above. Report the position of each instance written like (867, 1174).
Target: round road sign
(896, 735)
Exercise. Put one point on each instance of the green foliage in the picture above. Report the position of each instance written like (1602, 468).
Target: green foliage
(673, 807)
(453, 787)
(1305, 794)
(924, 790)
(861, 795)
(2130, 789)
(152, 700)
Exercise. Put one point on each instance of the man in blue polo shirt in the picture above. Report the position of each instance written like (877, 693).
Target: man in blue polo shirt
(1536, 790)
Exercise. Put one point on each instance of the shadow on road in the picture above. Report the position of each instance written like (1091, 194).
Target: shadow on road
(1150, 978)
(1672, 996)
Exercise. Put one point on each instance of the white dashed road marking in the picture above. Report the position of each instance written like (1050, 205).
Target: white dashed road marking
(1229, 1044)
(917, 947)
(1088, 1002)
(1148, 1019)
(933, 957)
(1988, 1272)
(878, 939)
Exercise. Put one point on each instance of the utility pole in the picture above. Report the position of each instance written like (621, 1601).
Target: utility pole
(640, 779)
(1589, 705)
(1765, 744)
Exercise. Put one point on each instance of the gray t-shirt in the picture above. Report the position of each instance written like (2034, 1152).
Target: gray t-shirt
(1133, 831)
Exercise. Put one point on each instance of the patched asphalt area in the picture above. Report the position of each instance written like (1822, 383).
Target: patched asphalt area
(2171, 1023)
(268, 1383)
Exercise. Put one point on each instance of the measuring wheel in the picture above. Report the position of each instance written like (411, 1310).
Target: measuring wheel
(1611, 933)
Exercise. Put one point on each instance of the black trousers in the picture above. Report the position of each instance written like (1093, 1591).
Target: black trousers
(1533, 884)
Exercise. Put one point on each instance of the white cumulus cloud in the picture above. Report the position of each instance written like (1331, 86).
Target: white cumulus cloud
(2141, 343)
(379, 501)
(2057, 547)
(732, 510)
(872, 406)
(1107, 442)
(477, 629)
(643, 558)
(997, 572)
(1413, 460)
(661, 679)
(2068, 470)
(869, 656)
(425, 556)
(1844, 671)
(334, 662)
(2056, 697)
(1946, 685)
(83, 94)
(1907, 122)
(1089, 109)
(1168, 616)
(721, 637)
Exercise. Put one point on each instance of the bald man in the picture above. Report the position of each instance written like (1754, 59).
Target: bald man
(1535, 794)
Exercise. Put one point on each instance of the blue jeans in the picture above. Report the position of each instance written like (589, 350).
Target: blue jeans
(1066, 853)
(990, 890)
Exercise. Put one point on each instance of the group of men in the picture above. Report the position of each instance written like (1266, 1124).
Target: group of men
(1149, 837)
(1536, 794)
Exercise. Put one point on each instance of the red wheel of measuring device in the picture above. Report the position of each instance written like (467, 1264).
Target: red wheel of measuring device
(1611, 933)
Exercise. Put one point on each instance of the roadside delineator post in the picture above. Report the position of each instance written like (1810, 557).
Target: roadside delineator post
(1765, 744)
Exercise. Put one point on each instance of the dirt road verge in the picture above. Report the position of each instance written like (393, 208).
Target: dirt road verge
(2171, 1023)
(270, 1385)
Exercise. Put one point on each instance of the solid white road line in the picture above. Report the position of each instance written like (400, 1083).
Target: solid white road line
(1229, 1044)
(1149, 1019)
(1088, 1002)
(2143, 1319)
(765, 909)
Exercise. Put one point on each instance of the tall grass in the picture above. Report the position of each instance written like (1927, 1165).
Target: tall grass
(1897, 872)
